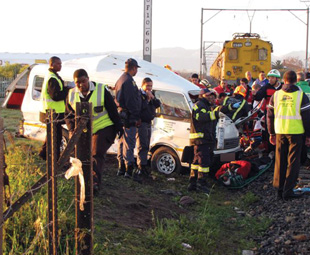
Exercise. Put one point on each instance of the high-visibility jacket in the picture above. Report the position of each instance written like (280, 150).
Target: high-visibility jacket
(47, 101)
(101, 117)
(287, 112)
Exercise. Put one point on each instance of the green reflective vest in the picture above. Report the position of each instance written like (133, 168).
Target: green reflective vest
(47, 101)
(287, 112)
(101, 117)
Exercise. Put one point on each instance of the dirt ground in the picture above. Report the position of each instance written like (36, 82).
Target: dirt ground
(129, 204)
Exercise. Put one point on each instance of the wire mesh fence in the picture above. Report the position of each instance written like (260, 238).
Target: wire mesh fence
(4, 83)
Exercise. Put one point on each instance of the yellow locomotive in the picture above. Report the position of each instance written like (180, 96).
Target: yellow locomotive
(245, 52)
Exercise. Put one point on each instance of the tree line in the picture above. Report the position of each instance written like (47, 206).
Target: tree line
(11, 70)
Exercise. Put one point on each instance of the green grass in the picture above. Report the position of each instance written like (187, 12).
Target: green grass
(211, 225)
(11, 118)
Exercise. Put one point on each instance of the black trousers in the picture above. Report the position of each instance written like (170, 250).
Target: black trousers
(59, 124)
(203, 157)
(101, 142)
(287, 165)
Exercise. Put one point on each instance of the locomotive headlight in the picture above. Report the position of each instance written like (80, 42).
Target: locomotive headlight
(228, 73)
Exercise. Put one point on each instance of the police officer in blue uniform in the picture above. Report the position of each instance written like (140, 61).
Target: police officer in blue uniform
(127, 99)
(149, 103)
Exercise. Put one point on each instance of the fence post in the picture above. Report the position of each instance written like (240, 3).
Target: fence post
(1, 184)
(51, 152)
(83, 151)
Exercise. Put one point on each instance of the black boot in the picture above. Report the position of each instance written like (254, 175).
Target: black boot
(121, 169)
(192, 186)
(290, 194)
(129, 170)
(202, 183)
(143, 171)
(137, 177)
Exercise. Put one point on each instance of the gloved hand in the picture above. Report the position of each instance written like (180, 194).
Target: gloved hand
(236, 105)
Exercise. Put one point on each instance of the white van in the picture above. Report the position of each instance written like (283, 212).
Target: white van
(170, 128)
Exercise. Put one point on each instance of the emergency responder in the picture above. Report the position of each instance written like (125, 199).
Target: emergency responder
(265, 93)
(53, 96)
(268, 90)
(245, 90)
(149, 103)
(203, 138)
(127, 99)
(203, 84)
(288, 119)
(238, 96)
(106, 121)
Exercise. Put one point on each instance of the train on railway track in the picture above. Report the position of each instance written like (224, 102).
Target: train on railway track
(245, 52)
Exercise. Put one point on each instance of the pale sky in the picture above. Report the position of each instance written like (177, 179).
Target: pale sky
(79, 26)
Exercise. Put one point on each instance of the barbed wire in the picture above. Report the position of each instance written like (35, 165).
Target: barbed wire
(48, 224)
(10, 208)
(31, 191)
(45, 227)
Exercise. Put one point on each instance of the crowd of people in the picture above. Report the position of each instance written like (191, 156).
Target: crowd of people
(283, 117)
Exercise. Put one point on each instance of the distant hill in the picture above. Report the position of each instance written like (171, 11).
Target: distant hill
(179, 59)
(296, 54)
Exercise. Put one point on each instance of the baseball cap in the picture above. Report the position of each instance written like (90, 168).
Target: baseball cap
(132, 62)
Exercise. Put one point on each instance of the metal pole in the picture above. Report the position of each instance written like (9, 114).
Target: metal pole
(52, 181)
(147, 31)
(250, 26)
(201, 41)
(84, 229)
(306, 69)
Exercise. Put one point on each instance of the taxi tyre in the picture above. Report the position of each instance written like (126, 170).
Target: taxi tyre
(166, 161)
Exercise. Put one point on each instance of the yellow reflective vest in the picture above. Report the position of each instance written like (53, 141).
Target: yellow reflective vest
(287, 112)
(47, 101)
(101, 117)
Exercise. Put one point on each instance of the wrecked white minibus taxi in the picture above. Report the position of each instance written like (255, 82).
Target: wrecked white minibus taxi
(170, 128)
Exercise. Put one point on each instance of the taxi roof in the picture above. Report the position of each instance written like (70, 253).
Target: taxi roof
(108, 68)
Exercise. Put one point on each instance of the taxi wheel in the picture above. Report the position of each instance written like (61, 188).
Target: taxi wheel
(166, 161)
